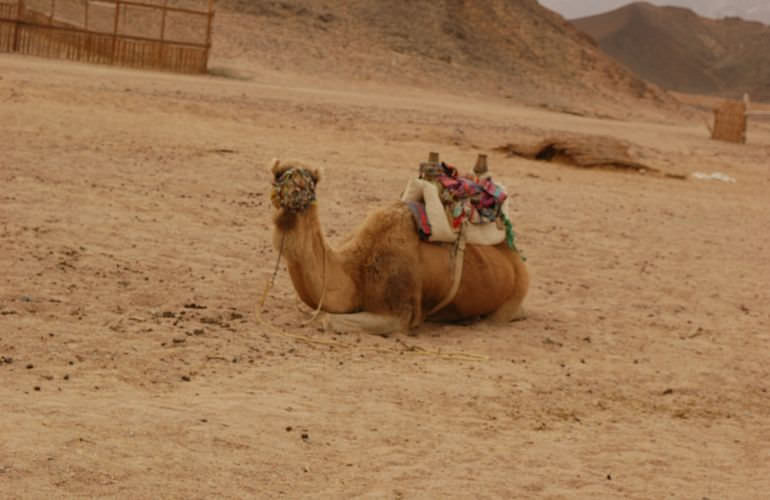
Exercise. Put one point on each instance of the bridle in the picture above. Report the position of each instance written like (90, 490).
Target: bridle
(293, 190)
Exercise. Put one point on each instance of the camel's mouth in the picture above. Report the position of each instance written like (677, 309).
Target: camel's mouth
(293, 189)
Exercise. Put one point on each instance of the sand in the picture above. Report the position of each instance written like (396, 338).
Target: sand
(135, 244)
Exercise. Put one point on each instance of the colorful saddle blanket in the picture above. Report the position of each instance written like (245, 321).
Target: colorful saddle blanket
(465, 199)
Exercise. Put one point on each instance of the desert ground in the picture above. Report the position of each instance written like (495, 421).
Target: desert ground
(135, 243)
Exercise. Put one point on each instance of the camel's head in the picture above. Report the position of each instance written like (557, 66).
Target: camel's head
(293, 186)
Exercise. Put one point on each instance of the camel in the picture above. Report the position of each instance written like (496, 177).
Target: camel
(382, 279)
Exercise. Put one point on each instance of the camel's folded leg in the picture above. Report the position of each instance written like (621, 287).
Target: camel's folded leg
(377, 324)
(510, 311)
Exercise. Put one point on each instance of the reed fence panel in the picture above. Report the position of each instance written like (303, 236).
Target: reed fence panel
(129, 42)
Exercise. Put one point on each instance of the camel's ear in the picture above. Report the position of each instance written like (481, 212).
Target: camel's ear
(316, 174)
(276, 166)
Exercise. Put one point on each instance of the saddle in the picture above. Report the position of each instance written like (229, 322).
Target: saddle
(444, 204)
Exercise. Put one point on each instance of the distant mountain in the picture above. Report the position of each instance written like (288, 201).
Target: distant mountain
(679, 50)
(756, 10)
(753, 10)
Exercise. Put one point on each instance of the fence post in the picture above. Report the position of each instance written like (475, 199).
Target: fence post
(208, 36)
(17, 25)
(115, 32)
(159, 63)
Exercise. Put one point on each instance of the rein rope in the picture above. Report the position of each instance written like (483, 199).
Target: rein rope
(271, 281)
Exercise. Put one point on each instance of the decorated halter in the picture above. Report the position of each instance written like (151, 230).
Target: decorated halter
(293, 190)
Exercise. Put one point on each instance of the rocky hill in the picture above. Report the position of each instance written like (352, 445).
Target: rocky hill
(679, 50)
(512, 48)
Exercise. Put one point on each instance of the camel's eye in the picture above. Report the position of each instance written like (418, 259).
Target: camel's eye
(284, 175)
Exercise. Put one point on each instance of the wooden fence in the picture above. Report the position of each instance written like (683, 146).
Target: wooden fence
(731, 120)
(27, 30)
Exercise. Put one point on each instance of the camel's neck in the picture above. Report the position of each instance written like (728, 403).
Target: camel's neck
(312, 264)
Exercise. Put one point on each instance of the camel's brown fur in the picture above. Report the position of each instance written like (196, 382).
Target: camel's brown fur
(383, 278)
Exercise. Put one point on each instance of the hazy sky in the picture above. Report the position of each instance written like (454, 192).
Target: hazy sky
(579, 8)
